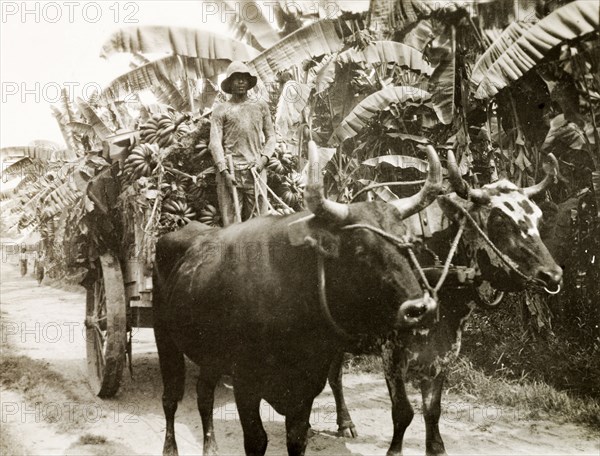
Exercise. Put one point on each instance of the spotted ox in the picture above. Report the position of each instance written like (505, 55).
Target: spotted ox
(265, 306)
(512, 258)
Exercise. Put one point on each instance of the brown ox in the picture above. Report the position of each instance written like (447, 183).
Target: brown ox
(246, 301)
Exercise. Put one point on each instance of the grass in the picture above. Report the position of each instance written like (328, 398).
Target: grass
(535, 398)
(43, 387)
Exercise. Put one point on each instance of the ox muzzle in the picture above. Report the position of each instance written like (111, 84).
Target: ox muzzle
(417, 312)
(549, 278)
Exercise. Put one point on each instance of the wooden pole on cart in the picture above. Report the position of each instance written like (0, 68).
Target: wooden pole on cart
(234, 193)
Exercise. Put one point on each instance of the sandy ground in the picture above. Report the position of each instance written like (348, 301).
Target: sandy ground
(46, 325)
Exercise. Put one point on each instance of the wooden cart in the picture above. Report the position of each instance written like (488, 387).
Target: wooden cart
(118, 299)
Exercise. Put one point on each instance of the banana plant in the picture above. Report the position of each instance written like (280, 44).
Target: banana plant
(561, 49)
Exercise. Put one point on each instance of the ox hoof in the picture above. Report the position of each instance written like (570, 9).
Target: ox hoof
(441, 452)
(347, 431)
(170, 450)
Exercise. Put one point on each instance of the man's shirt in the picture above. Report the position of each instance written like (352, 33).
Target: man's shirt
(240, 130)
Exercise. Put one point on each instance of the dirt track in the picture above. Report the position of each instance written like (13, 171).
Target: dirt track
(46, 325)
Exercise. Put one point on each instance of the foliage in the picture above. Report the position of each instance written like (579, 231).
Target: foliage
(500, 91)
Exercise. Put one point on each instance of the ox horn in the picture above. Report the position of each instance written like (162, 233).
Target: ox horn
(548, 180)
(459, 185)
(429, 192)
(313, 195)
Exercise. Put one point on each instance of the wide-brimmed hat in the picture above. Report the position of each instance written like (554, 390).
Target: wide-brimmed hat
(237, 67)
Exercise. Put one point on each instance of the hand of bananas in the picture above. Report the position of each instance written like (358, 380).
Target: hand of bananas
(178, 210)
(160, 129)
(292, 188)
(141, 161)
(210, 216)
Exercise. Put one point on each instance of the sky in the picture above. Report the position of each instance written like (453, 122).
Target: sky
(45, 46)
(49, 45)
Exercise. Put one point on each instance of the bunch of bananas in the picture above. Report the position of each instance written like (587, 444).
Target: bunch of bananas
(195, 192)
(184, 128)
(210, 216)
(292, 188)
(141, 161)
(179, 210)
(159, 129)
(201, 147)
(280, 162)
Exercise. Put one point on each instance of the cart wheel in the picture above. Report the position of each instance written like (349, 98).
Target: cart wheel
(106, 327)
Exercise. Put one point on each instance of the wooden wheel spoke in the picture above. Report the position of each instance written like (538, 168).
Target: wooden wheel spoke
(100, 345)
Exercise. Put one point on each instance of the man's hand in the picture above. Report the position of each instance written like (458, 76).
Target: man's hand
(228, 178)
(261, 163)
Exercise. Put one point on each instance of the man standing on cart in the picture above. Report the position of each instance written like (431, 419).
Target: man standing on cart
(242, 129)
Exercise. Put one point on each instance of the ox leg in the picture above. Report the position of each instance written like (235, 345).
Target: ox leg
(395, 364)
(431, 391)
(346, 427)
(248, 404)
(172, 369)
(205, 388)
(296, 426)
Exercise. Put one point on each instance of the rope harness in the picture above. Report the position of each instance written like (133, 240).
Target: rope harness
(408, 246)
(401, 244)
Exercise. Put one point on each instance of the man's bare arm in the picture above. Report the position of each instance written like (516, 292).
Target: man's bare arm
(269, 133)
(216, 141)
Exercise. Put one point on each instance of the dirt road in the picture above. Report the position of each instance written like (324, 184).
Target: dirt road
(45, 325)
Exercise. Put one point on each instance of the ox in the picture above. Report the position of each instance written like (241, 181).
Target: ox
(247, 301)
(502, 245)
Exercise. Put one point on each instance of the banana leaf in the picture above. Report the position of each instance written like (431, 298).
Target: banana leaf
(27, 180)
(67, 136)
(322, 75)
(21, 167)
(102, 131)
(293, 100)
(382, 192)
(443, 81)
(190, 42)
(569, 22)
(563, 134)
(81, 128)
(388, 51)
(172, 68)
(421, 34)
(57, 201)
(67, 105)
(398, 161)
(365, 110)
(166, 92)
(323, 37)
(44, 143)
(7, 190)
(508, 36)
(247, 17)
(40, 153)
(382, 15)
